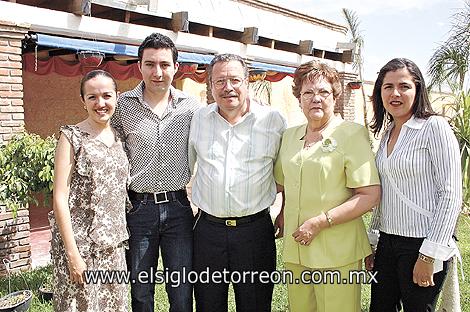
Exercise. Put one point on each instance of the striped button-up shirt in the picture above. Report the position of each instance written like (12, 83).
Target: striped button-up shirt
(234, 175)
(421, 185)
(157, 147)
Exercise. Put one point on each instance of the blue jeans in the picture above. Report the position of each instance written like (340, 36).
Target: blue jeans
(167, 226)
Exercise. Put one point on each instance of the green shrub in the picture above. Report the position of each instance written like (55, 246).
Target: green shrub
(26, 167)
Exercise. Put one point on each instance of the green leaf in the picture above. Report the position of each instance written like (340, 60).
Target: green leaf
(26, 167)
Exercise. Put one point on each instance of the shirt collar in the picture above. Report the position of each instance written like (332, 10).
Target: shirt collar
(177, 96)
(335, 121)
(254, 107)
(415, 123)
(412, 123)
(138, 92)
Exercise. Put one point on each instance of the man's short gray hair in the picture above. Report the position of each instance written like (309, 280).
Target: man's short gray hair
(226, 57)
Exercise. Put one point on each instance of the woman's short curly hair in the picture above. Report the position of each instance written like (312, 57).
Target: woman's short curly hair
(312, 71)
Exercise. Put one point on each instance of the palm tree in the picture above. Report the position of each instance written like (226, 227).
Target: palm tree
(353, 28)
(450, 63)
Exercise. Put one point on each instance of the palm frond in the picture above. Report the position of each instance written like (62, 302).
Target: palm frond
(450, 62)
(353, 25)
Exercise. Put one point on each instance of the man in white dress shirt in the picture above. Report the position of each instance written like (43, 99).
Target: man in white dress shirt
(235, 142)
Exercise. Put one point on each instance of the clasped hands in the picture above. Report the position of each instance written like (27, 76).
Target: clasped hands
(309, 230)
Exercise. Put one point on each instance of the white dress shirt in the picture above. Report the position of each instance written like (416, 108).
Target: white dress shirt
(421, 185)
(234, 174)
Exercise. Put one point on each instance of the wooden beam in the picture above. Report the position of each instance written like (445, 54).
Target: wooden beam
(319, 53)
(346, 46)
(250, 35)
(180, 21)
(80, 7)
(347, 56)
(305, 47)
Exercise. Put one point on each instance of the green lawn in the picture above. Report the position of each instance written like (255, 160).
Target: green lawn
(34, 279)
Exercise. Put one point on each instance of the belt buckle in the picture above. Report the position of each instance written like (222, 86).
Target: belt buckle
(231, 222)
(157, 201)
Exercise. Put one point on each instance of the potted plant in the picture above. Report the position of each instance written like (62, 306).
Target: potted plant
(18, 301)
(45, 291)
(26, 168)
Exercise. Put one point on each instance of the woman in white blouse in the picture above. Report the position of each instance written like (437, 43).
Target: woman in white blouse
(419, 166)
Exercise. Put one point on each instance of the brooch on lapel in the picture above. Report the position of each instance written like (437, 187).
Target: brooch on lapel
(328, 145)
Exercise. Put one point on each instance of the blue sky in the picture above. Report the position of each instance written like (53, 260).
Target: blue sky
(391, 28)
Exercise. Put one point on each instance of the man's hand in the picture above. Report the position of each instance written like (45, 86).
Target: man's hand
(279, 225)
(369, 261)
(279, 222)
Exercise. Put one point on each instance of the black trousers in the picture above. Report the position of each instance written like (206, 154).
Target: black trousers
(394, 262)
(237, 249)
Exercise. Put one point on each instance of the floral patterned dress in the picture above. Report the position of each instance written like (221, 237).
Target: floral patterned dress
(97, 204)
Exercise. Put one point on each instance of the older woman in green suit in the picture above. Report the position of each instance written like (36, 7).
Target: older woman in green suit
(327, 170)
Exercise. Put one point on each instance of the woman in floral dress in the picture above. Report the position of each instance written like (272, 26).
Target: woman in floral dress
(88, 223)
(328, 172)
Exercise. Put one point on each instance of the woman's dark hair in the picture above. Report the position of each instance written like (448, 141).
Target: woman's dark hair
(92, 74)
(421, 106)
(158, 41)
(312, 71)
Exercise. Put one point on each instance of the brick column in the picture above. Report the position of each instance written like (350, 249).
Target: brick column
(14, 232)
(11, 81)
(345, 103)
(14, 240)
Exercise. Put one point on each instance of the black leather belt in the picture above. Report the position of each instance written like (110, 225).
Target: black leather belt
(234, 221)
(159, 197)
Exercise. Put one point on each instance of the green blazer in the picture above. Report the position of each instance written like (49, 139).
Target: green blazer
(318, 179)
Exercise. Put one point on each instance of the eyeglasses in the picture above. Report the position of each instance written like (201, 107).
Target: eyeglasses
(308, 95)
(235, 82)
